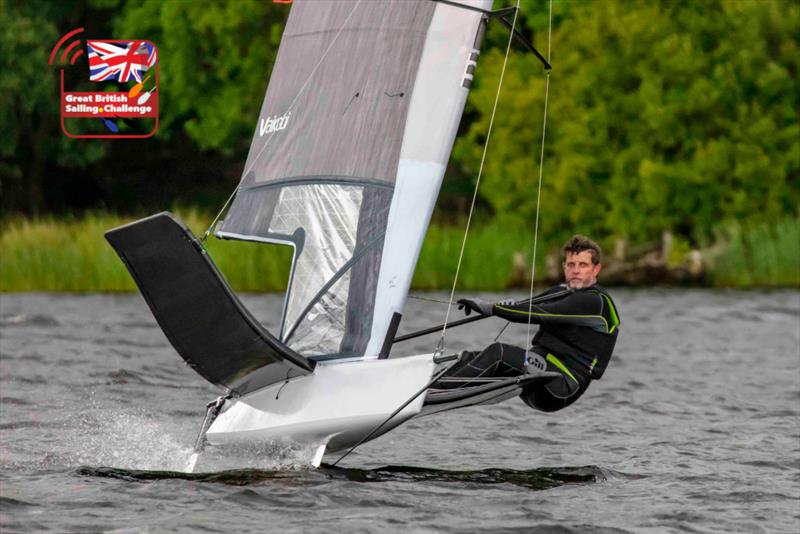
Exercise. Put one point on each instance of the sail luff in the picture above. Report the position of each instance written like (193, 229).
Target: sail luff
(438, 100)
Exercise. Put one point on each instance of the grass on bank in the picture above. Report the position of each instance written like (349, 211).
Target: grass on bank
(763, 256)
(71, 255)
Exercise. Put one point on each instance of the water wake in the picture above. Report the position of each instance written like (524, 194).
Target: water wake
(534, 479)
(136, 441)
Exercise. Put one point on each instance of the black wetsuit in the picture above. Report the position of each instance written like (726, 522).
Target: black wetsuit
(576, 338)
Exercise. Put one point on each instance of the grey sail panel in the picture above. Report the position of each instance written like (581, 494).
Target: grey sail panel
(339, 91)
(196, 309)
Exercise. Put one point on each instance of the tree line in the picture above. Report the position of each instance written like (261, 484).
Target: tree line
(662, 115)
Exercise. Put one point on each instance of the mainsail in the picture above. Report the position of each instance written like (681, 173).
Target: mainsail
(348, 156)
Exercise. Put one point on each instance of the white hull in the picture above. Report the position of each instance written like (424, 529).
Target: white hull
(334, 407)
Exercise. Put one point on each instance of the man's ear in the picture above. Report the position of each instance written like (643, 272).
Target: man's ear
(596, 269)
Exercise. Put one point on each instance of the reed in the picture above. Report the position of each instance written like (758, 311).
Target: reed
(760, 256)
(489, 258)
(70, 255)
(60, 255)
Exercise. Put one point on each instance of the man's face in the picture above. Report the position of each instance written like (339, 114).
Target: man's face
(579, 271)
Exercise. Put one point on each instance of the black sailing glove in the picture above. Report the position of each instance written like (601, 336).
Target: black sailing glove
(475, 304)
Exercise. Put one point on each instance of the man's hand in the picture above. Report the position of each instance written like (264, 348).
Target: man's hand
(476, 304)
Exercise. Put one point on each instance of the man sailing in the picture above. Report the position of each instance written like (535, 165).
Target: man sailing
(578, 322)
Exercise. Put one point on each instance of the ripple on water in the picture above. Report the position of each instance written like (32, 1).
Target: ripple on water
(741, 496)
(7, 504)
(14, 400)
(15, 425)
(251, 498)
(121, 376)
(781, 310)
(25, 319)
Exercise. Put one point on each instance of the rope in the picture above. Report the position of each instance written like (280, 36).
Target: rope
(288, 110)
(440, 346)
(216, 218)
(539, 189)
(427, 299)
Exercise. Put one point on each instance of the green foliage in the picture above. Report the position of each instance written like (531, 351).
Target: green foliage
(215, 59)
(663, 115)
(32, 143)
(489, 258)
(23, 39)
(60, 255)
(761, 256)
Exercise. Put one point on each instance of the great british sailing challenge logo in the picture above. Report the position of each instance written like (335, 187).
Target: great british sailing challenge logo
(126, 104)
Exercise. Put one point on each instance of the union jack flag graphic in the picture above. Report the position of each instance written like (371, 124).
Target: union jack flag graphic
(119, 60)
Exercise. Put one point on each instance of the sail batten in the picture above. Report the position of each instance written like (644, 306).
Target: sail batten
(296, 180)
(340, 162)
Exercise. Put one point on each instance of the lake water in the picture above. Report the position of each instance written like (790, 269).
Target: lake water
(694, 428)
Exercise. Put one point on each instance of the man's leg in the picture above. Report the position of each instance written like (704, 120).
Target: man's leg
(496, 360)
(555, 394)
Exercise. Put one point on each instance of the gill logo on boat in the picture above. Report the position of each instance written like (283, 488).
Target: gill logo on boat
(273, 124)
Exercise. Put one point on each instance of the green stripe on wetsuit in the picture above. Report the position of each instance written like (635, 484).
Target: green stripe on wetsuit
(613, 311)
(555, 361)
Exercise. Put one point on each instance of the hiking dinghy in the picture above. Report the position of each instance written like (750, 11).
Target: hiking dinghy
(345, 165)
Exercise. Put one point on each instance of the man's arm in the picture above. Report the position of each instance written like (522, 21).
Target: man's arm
(584, 308)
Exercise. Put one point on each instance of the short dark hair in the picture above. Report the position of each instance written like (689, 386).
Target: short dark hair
(579, 243)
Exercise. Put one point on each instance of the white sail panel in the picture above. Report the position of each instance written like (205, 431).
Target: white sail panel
(329, 215)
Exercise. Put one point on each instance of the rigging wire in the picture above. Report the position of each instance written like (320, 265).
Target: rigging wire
(440, 346)
(539, 189)
(288, 110)
(500, 333)
(428, 299)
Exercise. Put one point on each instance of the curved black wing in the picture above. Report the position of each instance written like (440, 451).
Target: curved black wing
(198, 311)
